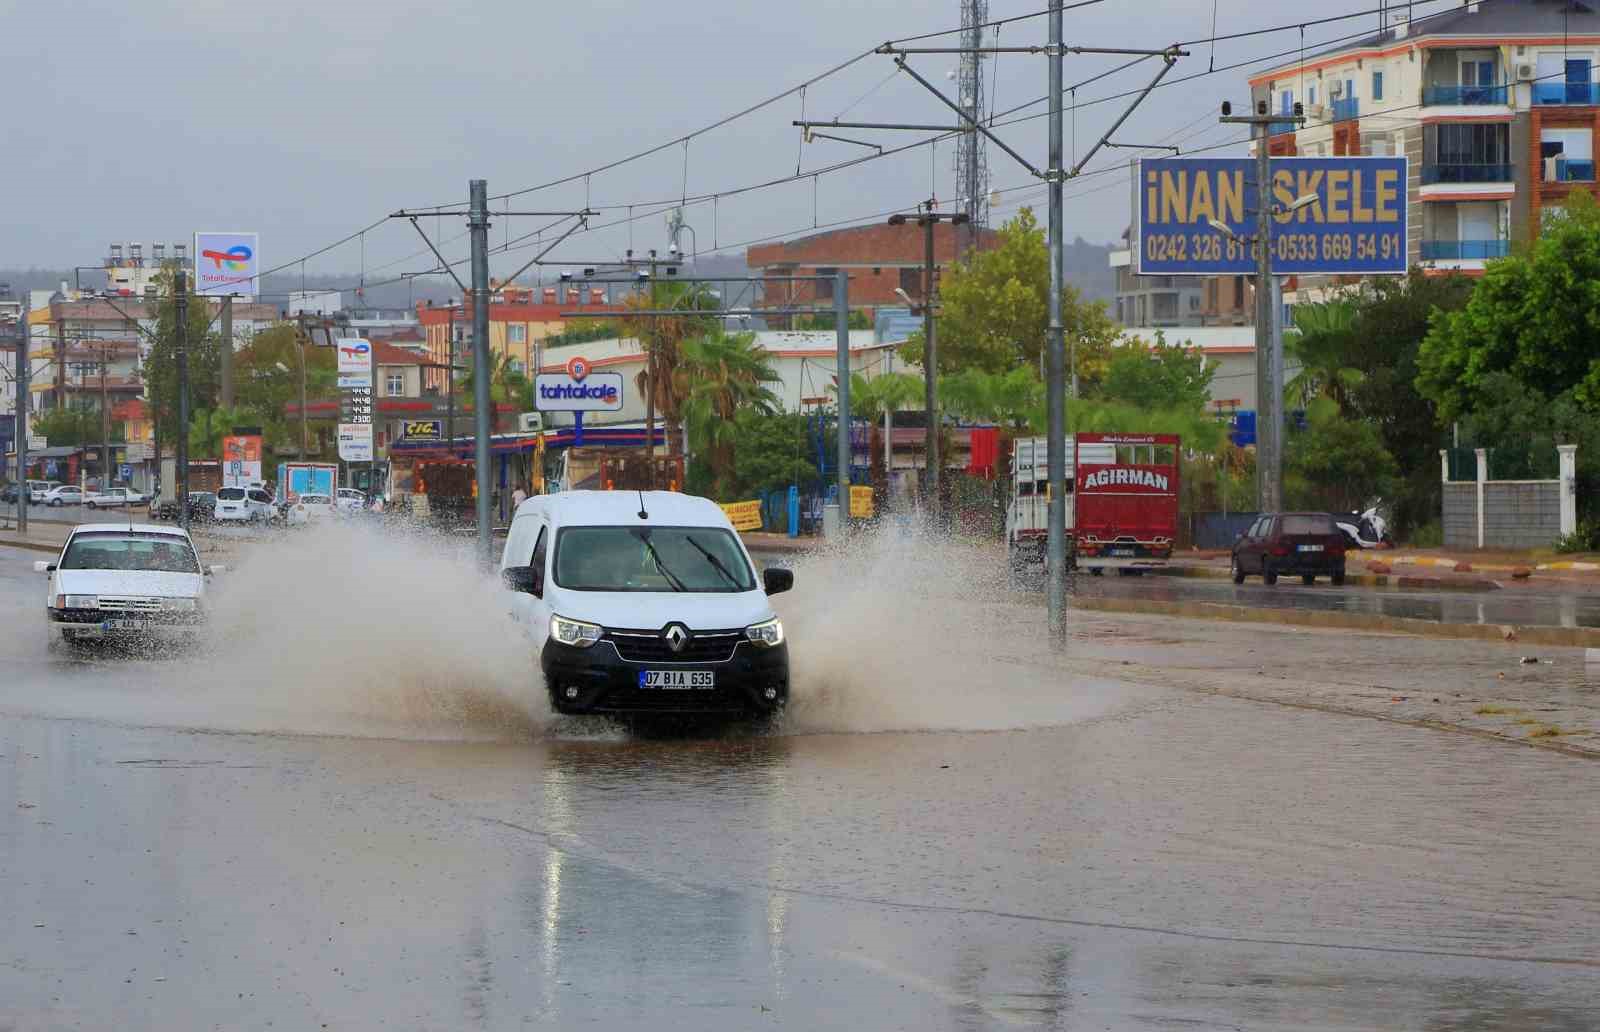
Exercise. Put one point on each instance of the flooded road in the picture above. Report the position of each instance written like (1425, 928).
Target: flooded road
(1577, 608)
(950, 832)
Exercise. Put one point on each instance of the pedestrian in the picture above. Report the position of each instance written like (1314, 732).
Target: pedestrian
(517, 498)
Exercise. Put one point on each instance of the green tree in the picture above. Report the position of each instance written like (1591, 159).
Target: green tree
(266, 375)
(506, 382)
(995, 311)
(690, 312)
(161, 369)
(1158, 376)
(871, 397)
(66, 427)
(1535, 315)
(1336, 463)
(1392, 317)
(828, 321)
(1321, 344)
(1013, 399)
(207, 428)
(723, 375)
(1200, 431)
(775, 450)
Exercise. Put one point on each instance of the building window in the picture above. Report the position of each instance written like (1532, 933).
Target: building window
(517, 333)
(824, 291)
(396, 384)
(1286, 102)
(911, 281)
(1311, 96)
(1377, 85)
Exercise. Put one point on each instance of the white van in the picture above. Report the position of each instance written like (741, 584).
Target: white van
(645, 602)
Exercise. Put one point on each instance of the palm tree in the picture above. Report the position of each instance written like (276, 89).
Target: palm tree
(1321, 340)
(717, 376)
(886, 392)
(662, 337)
(506, 381)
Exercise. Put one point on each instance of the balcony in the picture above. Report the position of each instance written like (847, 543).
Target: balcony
(1464, 96)
(1464, 250)
(1346, 109)
(1561, 170)
(1580, 93)
(1451, 172)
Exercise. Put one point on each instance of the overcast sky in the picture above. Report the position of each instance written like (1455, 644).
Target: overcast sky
(308, 119)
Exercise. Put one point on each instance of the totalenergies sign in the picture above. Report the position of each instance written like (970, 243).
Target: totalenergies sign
(226, 263)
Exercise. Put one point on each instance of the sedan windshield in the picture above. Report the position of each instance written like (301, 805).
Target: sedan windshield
(161, 553)
(651, 559)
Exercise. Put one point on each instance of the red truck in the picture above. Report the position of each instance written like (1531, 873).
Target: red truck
(1122, 501)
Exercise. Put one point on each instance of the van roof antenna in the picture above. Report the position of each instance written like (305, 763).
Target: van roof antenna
(642, 514)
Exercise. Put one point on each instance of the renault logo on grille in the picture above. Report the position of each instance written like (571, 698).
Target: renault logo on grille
(677, 637)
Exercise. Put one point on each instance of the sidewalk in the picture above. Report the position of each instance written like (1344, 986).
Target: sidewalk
(1414, 568)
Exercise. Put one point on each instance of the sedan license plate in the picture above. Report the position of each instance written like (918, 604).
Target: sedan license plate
(1310, 548)
(1119, 552)
(677, 679)
(125, 625)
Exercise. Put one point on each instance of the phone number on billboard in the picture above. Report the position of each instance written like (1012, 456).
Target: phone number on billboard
(1288, 247)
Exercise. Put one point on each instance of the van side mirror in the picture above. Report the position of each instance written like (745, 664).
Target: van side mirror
(528, 580)
(777, 581)
(41, 566)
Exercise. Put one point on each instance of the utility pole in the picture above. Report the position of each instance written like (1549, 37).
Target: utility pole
(181, 303)
(24, 375)
(1269, 344)
(841, 315)
(450, 380)
(1055, 392)
(226, 400)
(105, 422)
(478, 223)
(932, 473)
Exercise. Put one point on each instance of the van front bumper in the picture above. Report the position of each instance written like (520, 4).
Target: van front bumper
(755, 681)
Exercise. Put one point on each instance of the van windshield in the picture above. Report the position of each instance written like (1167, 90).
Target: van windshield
(651, 559)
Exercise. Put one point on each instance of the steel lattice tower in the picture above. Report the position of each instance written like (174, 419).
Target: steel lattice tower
(972, 166)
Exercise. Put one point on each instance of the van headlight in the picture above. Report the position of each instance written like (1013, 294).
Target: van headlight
(574, 632)
(77, 601)
(178, 605)
(767, 633)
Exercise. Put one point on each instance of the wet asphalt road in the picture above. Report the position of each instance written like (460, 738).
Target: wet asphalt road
(1143, 859)
(1575, 608)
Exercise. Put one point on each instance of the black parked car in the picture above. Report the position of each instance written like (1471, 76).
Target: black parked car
(1305, 543)
(9, 493)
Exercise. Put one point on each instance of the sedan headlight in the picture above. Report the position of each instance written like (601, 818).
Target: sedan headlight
(77, 601)
(179, 605)
(573, 632)
(767, 633)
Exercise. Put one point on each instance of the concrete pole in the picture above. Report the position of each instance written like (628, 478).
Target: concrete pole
(180, 301)
(1569, 488)
(841, 316)
(450, 381)
(478, 221)
(1482, 455)
(1055, 389)
(1269, 420)
(24, 376)
(226, 399)
(930, 366)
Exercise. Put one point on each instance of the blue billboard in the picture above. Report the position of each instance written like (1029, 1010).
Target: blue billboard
(1330, 216)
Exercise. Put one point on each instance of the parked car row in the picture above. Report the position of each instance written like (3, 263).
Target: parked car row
(55, 494)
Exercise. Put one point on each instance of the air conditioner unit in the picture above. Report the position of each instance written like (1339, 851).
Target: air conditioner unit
(1316, 111)
(530, 422)
(1525, 73)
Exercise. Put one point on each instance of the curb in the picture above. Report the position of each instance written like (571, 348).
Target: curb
(1564, 637)
(1366, 580)
(34, 546)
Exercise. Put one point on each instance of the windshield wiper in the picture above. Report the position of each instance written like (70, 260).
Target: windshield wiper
(655, 557)
(716, 563)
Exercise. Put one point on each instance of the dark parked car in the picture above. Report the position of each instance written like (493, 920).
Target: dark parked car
(1288, 543)
(9, 493)
(202, 507)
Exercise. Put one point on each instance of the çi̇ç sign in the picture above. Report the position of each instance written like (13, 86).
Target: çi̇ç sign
(1343, 215)
(578, 390)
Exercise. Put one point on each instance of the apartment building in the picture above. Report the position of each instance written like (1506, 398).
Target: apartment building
(1496, 104)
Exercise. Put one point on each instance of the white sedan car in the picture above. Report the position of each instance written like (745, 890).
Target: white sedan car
(113, 497)
(66, 494)
(116, 581)
(310, 507)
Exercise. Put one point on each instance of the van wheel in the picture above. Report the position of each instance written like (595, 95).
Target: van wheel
(1268, 574)
(1236, 571)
